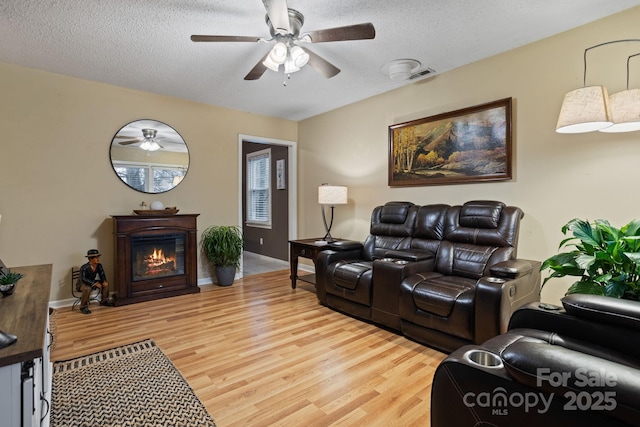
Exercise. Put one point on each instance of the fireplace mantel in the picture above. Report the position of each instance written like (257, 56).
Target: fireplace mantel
(128, 229)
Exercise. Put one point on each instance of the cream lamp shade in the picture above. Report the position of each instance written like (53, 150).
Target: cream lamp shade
(585, 110)
(625, 111)
(332, 195)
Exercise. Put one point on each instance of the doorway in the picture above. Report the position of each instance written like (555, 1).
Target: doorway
(269, 242)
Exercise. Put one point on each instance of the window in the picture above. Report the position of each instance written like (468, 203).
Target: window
(149, 178)
(259, 188)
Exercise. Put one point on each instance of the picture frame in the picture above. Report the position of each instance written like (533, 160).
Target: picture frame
(473, 144)
(281, 181)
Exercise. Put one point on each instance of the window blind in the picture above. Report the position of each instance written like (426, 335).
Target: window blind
(259, 188)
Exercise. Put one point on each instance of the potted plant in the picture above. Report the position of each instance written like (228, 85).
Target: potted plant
(222, 246)
(605, 258)
(8, 281)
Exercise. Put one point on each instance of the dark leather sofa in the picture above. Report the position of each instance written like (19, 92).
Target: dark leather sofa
(575, 365)
(445, 276)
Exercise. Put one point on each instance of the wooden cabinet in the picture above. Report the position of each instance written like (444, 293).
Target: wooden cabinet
(25, 370)
(132, 231)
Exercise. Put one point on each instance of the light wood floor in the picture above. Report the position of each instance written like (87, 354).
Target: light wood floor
(259, 353)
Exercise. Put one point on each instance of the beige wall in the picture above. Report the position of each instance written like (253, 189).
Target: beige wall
(556, 177)
(58, 189)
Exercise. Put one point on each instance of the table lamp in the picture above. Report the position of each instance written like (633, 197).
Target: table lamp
(330, 195)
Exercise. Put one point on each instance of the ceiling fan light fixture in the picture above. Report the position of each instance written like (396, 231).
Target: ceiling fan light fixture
(290, 66)
(148, 145)
(299, 56)
(270, 64)
(279, 53)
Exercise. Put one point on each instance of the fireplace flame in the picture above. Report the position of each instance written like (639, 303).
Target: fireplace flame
(155, 263)
(157, 257)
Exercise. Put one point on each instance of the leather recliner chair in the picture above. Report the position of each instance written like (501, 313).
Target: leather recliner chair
(476, 281)
(344, 276)
(576, 365)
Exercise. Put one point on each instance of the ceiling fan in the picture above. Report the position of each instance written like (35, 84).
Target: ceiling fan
(284, 25)
(148, 140)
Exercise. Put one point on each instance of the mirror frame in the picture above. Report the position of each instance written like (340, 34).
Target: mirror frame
(126, 136)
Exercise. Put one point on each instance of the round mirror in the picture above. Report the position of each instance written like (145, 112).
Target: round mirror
(149, 156)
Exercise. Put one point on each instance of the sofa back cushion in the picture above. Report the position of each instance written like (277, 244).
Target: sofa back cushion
(429, 228)
(476, 236)
(391, 228)
(484, 223)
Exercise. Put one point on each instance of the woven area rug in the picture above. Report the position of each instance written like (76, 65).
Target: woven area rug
(133, 385)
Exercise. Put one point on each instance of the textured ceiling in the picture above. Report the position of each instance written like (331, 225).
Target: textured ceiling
(145, 45)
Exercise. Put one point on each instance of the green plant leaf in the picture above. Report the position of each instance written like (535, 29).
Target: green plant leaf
(586, 287)
(583, 231)
(615, 289)
(632, 228)
(606, 259)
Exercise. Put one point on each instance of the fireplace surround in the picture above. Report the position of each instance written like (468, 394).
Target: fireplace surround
(155, 256)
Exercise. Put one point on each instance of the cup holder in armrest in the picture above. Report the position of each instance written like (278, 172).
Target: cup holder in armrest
(395, 260)
(483, 358)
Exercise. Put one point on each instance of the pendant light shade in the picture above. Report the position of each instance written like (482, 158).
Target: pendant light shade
(584, 110)
(625, 111)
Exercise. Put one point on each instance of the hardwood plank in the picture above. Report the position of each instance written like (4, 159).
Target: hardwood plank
(259, 353)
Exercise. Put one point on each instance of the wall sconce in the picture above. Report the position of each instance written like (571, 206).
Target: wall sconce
(590, 108)
(330, 195)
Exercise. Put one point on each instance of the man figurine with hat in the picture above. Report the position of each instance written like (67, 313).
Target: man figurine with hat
(87, 281)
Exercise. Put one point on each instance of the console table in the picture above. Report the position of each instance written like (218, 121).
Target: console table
(25, 370)
(306, 248)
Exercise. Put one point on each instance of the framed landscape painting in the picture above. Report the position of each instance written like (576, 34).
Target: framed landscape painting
(463, 146)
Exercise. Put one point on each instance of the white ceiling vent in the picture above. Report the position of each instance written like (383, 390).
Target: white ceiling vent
(404, 69)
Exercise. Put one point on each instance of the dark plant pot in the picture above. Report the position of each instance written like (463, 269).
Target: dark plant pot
(7, 290)
(226, 275)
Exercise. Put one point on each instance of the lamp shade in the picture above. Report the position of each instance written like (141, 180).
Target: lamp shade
(625, 111)
(332, 195)
(584, 110)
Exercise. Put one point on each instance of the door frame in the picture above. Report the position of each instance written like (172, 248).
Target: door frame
(292, 181)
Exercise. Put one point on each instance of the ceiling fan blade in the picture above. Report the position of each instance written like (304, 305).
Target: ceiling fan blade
(321, 65)
(258, 70)
(278, 15)
(133, 141)
(199, 38)
(350, 32)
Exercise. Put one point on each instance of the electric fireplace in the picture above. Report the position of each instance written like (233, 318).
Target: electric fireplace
(155, 256)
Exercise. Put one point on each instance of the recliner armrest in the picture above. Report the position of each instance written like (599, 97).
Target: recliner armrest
(410, 255)
(345, 245)
(564, 372)
(498, 297)
(511, 269)
(600, 308)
